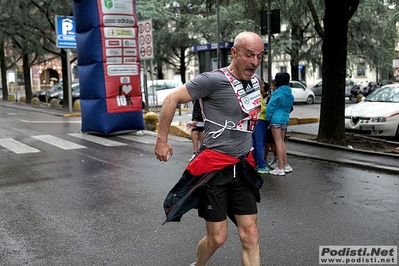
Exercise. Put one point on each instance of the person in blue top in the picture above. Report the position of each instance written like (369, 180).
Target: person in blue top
(278, 114)
(260, 133)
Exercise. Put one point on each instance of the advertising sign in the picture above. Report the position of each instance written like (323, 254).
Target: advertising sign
(109, 65)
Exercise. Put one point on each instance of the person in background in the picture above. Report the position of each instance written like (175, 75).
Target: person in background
(197, 127)
(259, 135)
(278, 114)
(221, 180)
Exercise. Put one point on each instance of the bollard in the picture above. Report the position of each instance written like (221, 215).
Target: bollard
(76, 105)
(150, 121)
(35, 101)
(54, 102)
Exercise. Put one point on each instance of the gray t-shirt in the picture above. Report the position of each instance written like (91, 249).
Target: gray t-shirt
(220, 104)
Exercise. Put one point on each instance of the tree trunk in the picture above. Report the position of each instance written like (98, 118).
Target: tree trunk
(334, 50)
(65, 76)
(27, 78)
(3, 70)
(294, 51)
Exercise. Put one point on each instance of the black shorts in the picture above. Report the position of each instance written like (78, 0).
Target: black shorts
(225, 193)
(199, 129)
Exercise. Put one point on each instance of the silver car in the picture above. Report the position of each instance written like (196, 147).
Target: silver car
(375, 115)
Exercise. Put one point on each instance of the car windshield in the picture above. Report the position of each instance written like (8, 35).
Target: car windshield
(55, 88)
(384, 94)
(162, 85)
(294, 84)
(349, 82)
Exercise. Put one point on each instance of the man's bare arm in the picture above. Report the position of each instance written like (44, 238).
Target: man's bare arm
(178, 96)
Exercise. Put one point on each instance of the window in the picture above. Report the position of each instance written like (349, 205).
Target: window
(283, 69)
(361, 70)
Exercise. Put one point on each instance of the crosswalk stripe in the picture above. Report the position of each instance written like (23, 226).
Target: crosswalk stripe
(51, 122)
(99, 140)
(140, 139)
(150, 137)
(60, 143)
(16, 146)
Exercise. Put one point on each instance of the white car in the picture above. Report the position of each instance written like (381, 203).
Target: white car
(301, 93)
(160, 88)
(375, 115)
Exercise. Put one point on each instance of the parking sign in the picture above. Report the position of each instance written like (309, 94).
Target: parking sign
(66, 33)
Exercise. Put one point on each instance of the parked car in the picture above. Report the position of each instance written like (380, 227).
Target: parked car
(301, 93)
(75, 91)
(41, 94)
(349, 83)
(375, 115)
(158, 89)
(54, 92)
(317, 89)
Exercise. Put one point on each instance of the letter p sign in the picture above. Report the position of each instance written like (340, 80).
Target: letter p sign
(67, 26)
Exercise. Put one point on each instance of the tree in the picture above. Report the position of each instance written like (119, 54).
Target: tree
(178, 25)
(31, 29)
(174, 25)
(47, 10)
(4, 65)
(372, 35)
(349, 33)
(334, 51)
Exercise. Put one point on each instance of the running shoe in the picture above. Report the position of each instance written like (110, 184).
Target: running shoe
(273, 162)
(263, 170)
(277, 171)
(274, 165)
(288, 168)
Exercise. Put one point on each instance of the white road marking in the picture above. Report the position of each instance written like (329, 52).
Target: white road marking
(16, 146)
(96, 139)
(60, 143)
(150, 137)
(52, 122)
(140, 139)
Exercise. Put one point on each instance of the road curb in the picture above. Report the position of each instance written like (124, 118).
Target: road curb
(179, 128)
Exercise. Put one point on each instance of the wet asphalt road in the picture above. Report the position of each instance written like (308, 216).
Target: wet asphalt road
(102, 205)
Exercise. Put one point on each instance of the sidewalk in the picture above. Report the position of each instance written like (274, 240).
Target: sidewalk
(295, 146)
(377, 161)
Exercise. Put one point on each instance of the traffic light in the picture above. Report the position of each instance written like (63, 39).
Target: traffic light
(275, 21)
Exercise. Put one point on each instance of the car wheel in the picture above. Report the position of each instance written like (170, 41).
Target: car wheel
(310, 100)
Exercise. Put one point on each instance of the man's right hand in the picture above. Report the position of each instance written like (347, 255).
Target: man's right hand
(163, 150)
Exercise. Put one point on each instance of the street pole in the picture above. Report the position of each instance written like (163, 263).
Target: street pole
(16, 79)
(69, 80)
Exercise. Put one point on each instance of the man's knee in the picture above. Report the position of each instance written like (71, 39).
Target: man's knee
(249, 235)
(216, 240)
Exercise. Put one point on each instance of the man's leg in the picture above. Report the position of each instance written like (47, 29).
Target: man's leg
(194, 140)
(216, 235)
(248, 233)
